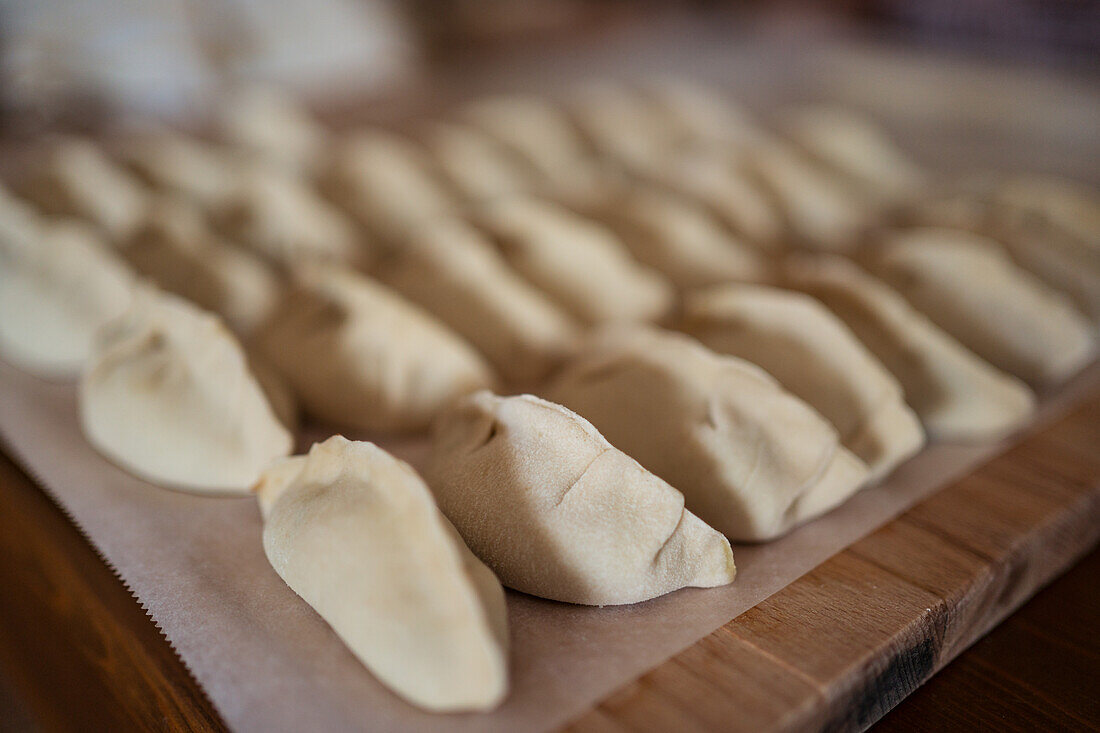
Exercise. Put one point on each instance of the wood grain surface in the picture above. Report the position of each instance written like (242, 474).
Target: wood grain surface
(1037, 671)
(835, 650)
(848, 641)
(75, 647)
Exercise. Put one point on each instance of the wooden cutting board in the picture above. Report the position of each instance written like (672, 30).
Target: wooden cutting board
(835, 650)
(839, 647)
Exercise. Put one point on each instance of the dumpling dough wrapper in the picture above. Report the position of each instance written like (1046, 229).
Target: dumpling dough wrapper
(77, 179)
(56, 291)
(356, 533)
(576, 261)
(451, 270)
(957, 395)
(360, 356)
(680, 238)
(815, 356)
(556, 511)
(168, 395)
(968, 286)
(752, 460)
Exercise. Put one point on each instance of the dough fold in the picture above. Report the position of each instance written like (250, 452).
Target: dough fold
(360, 356)
(815, 356)
(957, 395)
(57, 288)
(168, 395)
(355, 532)
(577, 262)
(751, 459)
(557, 512)
(451, 270)
(968, 286)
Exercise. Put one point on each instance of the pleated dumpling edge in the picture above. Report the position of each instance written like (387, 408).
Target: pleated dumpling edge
(558, 512)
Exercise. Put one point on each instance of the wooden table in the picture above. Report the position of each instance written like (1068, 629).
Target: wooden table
(837, 649)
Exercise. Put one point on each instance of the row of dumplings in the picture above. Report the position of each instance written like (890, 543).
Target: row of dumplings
(734, 330)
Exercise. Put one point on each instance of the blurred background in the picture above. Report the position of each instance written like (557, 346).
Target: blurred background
(983, 71)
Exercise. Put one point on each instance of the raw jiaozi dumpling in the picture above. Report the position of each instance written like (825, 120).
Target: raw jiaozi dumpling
(184, 166)
(387, 183)
(168, 395)
(576, 261)
(77, 179)
(819, 211)
(726, 190)
(451, 270)
(1056, 258)
(476, 165)
(680, 239)
(355, 532)
(857, 149)
(814, 355)
(55, 294)
(175, 249)
(1038, 243)
(279, 217)
(752, 460)
(968, 286)
(358, 355)
(618, 123)
(957, 395)
(539, 131)
(701, 115)
(557, 512)
(273, 126)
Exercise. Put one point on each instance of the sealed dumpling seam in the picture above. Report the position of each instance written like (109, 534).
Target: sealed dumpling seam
(558, 512)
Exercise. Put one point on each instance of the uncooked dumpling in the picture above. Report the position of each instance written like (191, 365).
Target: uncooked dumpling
(857, 149)
(77, 179)
(168, 395)
(184, 166)
(175, 249)
(967, 285)
(814, 355)
(387, 183)
(752, 460)
(358, 355)
(576, 261)
(281, 218)
(539, 131)
(273, 126)
(355, 532)
(1054, 256)
(1038, 243)
(681, 239)
(957, 395)
(618, 123)
(279, 395)
(724, 188)
(476, 165)
(819, 211)
(451, 270)
(701, 115)
(55, 294)
(557, 512)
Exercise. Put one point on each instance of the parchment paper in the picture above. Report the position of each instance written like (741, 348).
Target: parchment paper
(269, 663)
